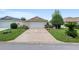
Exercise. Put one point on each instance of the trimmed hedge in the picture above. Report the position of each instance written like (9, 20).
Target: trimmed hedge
(13, 26)
(71, 29)
(72, 33)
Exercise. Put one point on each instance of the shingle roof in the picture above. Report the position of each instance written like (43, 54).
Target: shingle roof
(70, 19)
(36, 19)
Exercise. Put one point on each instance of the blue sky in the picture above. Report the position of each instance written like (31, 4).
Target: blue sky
(44, 13)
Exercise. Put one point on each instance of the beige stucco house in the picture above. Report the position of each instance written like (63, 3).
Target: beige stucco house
(35, 22)
(71, 19)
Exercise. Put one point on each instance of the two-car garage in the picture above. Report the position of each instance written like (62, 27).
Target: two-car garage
(37, 24)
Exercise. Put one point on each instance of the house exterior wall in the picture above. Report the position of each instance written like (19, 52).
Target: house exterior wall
(6, 23)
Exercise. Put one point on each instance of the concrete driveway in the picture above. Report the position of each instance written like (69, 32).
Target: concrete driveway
(35, 36)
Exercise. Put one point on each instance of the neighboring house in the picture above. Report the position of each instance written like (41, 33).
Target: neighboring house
(71, 19)
(35, 22)
(6, 23)
(7, 20)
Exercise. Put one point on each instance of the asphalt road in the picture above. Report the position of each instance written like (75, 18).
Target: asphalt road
(24, 46)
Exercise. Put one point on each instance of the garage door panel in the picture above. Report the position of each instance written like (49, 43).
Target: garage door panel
(37, 25)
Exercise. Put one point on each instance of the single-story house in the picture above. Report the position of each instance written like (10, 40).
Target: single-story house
(6, 23)
(7, 20)
(71, 19)
(35, 22)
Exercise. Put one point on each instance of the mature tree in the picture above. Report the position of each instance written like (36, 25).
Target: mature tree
(57, 20)
(23, 19)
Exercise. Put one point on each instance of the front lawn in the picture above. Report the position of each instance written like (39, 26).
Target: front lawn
(60, 35)
(10, 34)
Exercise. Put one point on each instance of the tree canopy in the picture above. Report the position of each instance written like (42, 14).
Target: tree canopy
(57, 19)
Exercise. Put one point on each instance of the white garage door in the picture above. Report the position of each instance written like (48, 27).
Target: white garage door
(37, 25)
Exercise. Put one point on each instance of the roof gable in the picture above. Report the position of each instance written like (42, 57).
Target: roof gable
(36, 19)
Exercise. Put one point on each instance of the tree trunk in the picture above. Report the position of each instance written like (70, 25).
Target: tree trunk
(57, 26)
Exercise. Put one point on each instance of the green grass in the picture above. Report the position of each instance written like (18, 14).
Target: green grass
(10, 36)
(60, 35)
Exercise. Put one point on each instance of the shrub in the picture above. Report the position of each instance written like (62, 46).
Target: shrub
(48, 26)
(25, 27)
(13, 26)
(71, 25)
(71, 29)
(72, 33)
